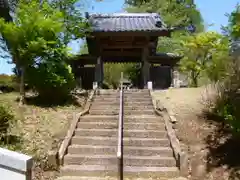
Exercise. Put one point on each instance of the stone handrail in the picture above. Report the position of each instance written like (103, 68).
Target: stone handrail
(63, 148)
(120, 131)
(15, 166)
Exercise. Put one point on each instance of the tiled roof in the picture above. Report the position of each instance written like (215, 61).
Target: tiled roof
(120, 22)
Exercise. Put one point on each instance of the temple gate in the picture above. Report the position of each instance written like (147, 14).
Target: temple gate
(127, 38)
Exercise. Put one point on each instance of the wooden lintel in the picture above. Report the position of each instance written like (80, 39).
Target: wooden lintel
(120, 53)
(105, 46)
(135, 33)
(128, 46)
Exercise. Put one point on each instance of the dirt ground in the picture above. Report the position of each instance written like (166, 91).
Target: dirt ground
(36, 130)
(213, 153)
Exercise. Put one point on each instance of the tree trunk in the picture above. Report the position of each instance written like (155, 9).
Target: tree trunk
(22, 87)
(194, 79)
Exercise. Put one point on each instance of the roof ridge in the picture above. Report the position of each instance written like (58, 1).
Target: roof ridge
(116, 15)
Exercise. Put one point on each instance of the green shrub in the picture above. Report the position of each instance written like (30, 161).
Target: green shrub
(52, 78)
(8, 83)
(227, 104)
(6, 117)
(228, 107)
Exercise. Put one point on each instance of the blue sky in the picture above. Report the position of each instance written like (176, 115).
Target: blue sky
(213, 12)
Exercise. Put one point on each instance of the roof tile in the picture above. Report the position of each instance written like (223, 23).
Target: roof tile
(120, 22)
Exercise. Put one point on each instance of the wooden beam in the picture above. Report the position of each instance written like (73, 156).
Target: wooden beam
(119, 53)
(106, 46)
(133, 33)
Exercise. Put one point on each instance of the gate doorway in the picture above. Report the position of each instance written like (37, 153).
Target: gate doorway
(161, 76)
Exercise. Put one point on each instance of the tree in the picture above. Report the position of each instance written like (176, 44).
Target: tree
(172, 12)
(233, 28)
(202, 53)
(33, 32)
(75, 25)
(84, 49)
(5, 10)
(5, 14)
(38, 39)
(175, 14)
(52, 77)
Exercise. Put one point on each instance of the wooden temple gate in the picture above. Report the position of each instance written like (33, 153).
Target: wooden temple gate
(126, 38)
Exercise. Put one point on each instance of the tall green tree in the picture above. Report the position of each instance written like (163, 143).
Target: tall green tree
(32, 33)
(175, 13)
(205, 52)
(5, 14)
(233, 27)
(75, 25)
(5, 10)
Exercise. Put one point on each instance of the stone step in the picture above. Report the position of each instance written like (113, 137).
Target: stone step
(83, 149)
(129, 171)
(117, 98)
(148, 161)
(113, 118)
(140, 98)
(127, 94)
(106, 99)
(112, 150)
(126, 101)
(111, 178)
(144, 126)
(96, 132)
(116, 103)
(127, 133)
(127, 126)
(116, 107)
(109, 112)
(86, 178)
(97, 125)
(144, 112)
(145, 134)
(90, 159)
(150, 172)
(129, 97)
(102, 108)
(103, 112)
(116, 112)
(125, 91)
(138, 103)
(148, 151)
(89, 170)
(112, 141)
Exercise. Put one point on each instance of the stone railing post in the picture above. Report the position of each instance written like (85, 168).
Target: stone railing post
(149, 85)
(15, 166)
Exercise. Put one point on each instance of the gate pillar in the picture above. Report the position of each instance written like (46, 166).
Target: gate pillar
(99, 72)
(145, 67)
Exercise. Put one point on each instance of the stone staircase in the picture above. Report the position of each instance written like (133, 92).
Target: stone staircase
(147, 151)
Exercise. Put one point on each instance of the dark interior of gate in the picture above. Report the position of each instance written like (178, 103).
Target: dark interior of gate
(126, 38)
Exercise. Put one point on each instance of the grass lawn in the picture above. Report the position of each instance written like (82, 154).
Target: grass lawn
(36, 130)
